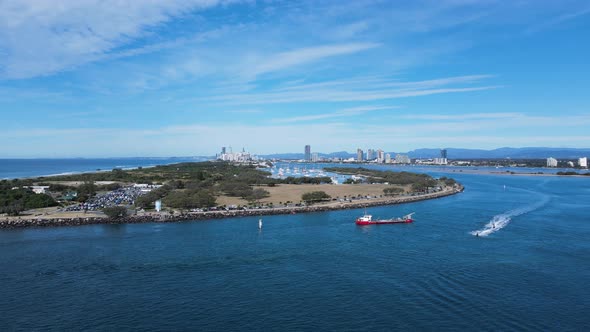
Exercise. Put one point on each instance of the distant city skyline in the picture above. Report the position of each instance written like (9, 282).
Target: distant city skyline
(183, 78)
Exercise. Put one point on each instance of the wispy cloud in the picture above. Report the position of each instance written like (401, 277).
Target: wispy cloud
(342, 113)
(297, 70)
(251, 111)
(283, 60)
(555, 21)
(468, 116)
(44, 37)
(351, 91)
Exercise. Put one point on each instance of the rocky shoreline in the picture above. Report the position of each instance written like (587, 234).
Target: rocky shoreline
(198, 216)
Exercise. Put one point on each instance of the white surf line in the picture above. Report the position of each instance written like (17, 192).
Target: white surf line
(502, 220)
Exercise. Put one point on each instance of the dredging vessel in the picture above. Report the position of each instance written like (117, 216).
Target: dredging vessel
(367, 219)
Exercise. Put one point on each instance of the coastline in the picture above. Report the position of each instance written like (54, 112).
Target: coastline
(150, 162)
(505, 173)
(13, 223)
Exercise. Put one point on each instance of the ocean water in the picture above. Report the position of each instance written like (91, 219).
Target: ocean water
(319, 271)
(24, 168)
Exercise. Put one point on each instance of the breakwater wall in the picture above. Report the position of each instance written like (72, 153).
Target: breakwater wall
(11, 223)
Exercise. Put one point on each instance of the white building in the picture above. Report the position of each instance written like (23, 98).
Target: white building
(387, 158)
(315, 157)
(239, 157)
(402, 159)
(359, 154)
(380, 156)
(39, 189)
(583, 162)
(551, 162)
(440, 161)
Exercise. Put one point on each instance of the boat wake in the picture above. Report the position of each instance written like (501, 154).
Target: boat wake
(502, 220)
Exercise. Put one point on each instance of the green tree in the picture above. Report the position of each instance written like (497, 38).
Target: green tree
(258, 194)
(86, 191)
(187, 199)
(315, 196)
(115, 212)
(390, 191)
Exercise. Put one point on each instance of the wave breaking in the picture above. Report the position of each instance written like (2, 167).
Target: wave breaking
(502, 220)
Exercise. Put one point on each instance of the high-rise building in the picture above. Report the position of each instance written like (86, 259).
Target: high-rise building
(551, 162)
(402, 159)
(315, 157)
(236, 157)
(307, 153)
(370, 154)
(359, 154)
(380, 156)
(583, 162)
(443, 158)
(223, 150)
(387, 158)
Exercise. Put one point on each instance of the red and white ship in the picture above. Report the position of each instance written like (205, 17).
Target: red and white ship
(367, 219)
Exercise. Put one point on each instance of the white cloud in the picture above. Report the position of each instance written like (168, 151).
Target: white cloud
(41, 37)
(205, 139)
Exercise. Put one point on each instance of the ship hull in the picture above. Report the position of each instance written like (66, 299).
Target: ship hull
(383, 222)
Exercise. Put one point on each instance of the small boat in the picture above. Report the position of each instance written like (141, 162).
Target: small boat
(367, 219)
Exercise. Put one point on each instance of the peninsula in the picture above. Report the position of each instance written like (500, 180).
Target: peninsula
(203, 190)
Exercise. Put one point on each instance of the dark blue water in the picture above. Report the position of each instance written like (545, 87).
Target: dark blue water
(318, 271)
(23, 168)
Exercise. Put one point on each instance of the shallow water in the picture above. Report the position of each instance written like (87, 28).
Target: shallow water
(318, 271)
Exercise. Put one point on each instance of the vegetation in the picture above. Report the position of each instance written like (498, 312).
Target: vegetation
(419, 182)
(194, 185)
(198, 171)
(306, 180)
(315, 196)
(352, 181)
(236, 189)
(190, 199)
(86, 191)
(573, 173)
(15, 197)
(115, 212)
(109, 187)
(258, 194)
(391, 191)
(147, 201)
(448, 181)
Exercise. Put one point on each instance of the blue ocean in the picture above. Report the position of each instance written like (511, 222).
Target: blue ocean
(25, 168)
(528, 270)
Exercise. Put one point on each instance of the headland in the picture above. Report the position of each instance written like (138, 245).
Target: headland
(202, 191)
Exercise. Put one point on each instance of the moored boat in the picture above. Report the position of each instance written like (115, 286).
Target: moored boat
(367, 219)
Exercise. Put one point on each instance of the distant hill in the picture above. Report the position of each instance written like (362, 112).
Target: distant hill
(513, 153)
(457, 153)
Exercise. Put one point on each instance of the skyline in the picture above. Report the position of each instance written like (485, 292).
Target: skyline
(182, 78)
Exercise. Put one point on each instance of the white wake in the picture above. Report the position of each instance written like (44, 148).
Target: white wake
(502, 220)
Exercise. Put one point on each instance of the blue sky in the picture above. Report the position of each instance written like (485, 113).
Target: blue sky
(93, 78)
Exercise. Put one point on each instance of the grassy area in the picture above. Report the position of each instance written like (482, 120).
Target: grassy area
(208, 184)
(292, 192)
